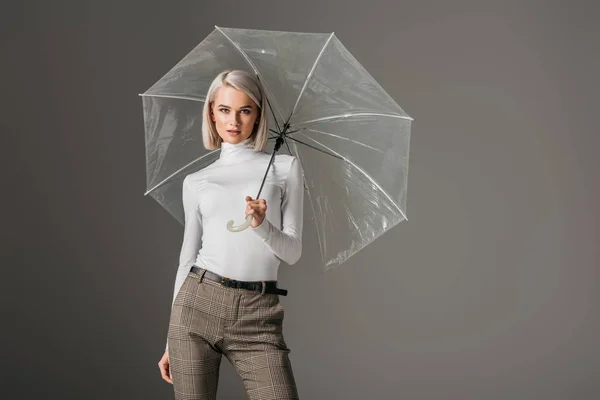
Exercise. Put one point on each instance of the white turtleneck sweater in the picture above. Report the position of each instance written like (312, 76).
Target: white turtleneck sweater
(216, 194)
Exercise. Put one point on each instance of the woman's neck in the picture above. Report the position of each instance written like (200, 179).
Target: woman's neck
(234, 152)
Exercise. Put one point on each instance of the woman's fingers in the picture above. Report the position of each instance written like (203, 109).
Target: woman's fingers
(165, 370)
(255, 206)
(260, 210)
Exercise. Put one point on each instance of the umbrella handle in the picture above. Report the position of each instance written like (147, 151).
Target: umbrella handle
(240, 228)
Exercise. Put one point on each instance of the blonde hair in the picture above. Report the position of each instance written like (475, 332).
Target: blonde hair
(249, 84)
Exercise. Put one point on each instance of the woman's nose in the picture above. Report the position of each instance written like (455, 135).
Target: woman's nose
(235, 118)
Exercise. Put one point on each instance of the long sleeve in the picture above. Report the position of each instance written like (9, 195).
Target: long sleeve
(286, 243)
(192, 237)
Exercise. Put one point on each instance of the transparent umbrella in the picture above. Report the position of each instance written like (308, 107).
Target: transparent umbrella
(351, 138)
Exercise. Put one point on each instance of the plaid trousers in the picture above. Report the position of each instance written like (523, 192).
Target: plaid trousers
(209, 320)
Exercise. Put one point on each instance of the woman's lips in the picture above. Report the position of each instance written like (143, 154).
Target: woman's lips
(233, 133)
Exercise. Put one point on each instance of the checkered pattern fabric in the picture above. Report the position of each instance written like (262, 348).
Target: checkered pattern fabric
(209, 320)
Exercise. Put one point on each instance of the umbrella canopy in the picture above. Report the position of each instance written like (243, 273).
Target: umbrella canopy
(351, 138)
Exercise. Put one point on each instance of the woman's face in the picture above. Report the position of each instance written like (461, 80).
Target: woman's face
(234, 114)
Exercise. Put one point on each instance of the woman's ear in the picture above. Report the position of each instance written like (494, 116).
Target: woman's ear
(210, 112)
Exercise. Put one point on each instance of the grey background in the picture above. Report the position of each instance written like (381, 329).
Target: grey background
(489, 291)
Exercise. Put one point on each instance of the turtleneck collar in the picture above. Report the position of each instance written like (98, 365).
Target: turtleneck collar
(236, 152)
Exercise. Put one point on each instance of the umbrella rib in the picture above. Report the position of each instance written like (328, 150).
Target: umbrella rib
(353, 115)
(297, 156)
(345, 138)
(243, 53)
(179, 170)
(363, 172)
(277, 133)
(287, 145)
(315, 148)
(173, 96)
(312, 205)
(310, 73)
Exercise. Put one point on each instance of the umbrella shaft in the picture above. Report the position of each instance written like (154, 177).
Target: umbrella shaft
(278, 144)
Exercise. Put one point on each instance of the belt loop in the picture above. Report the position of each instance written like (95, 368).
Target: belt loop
(264, 286)
(202, 274)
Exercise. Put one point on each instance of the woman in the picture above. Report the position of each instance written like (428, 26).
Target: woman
(226, 300)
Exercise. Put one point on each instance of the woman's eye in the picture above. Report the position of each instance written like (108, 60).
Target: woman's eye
(224, 110)
(246, 111)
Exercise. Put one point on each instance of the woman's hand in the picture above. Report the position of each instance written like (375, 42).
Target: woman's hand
(164, 366)
(256, 208)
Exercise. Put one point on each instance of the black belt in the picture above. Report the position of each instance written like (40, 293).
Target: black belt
(259, 286)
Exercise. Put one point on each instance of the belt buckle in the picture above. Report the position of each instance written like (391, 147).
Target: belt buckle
(225, 280)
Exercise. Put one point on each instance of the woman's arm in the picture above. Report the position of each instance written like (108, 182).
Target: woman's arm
(287, 243)
(192, 236)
